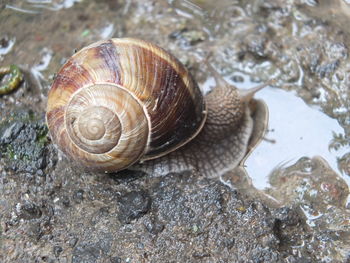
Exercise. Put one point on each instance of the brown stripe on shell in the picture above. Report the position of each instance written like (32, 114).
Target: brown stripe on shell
(104, 63)
(88, 66)
(174, 124)
(173, 101)
(97, 64)
(170, 59)
(71, 77)
(55, 121)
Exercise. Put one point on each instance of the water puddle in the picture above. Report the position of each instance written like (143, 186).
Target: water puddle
(35, 6)
(295, 130)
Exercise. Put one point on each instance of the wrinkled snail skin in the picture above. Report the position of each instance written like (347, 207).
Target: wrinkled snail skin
(119, 101)
(126, 103)
(223, 142)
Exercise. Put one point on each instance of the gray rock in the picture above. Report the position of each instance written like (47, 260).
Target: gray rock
(133, 205)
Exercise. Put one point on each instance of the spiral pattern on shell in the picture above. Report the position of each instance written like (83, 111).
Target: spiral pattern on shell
(122, 100)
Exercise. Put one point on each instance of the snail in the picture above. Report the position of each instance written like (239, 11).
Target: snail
(128, 104)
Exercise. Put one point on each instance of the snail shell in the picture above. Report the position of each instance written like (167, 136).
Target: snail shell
(120, 102)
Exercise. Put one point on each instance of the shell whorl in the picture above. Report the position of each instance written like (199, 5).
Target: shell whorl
(121, 100)
(106, 123)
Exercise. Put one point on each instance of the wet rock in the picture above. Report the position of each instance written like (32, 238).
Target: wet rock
(264, 255)
(318, 186)
(316, 61)
(28, 211)
(325, 70)
(193, 37)
(174, 204)
(92, 251)
(65, 201)
(153, 225)
(34, 231)
(116, 260)
(288, 216)
(78, 196)
(86, 253)
(126, 176)
(188, 37)
(57, 250)
(24, 143)
(100, 215)
(255, 45)
(315, 195)
(10, 133)
(73, 241)
(133, 205)
(201, 213)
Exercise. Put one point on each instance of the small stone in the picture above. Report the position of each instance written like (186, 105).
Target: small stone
(237, 79)
(34, 231)
(11, 132)
(40, 173)
(116, 260)
(133, 205)
(93, 251)
(86, 253)
(57, 250)
(78, 196)
(140, 246)
(23, 141)
(188, 37)
(29, 211)
(73, 241)
(65, 201)
(154, 226)
(193, 37)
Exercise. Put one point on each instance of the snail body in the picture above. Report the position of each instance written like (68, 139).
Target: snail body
(127, 103)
